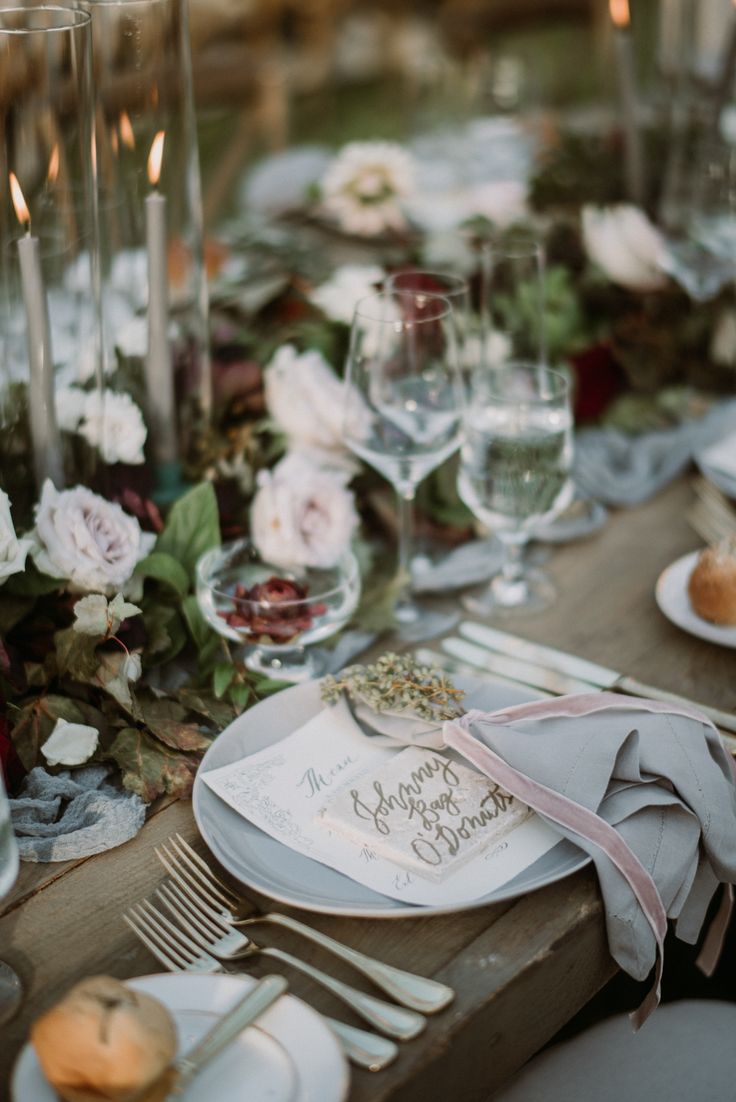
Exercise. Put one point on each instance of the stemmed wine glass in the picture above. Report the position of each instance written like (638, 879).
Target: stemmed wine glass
(10, 987)
(403, 405)
(515, 472)
(421, 281)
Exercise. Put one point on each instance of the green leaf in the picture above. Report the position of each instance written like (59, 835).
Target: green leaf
(30, 730)
(193, 527)
(164, 568)
(217, 712)
(165, 632)
(149, 768)
(32, 583)
(12, 611)
(222, 677)
(267, 686)
(166, 720)
(111, 677)
(76, 655)
(240, 694)
(208, 643)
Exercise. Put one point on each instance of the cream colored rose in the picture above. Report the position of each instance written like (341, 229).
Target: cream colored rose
(13, 551)
(90, 542)
(625, 245)
(307, 401)
(302, 515)
(348, 284)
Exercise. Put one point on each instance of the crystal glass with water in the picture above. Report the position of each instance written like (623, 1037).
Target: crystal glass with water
(403, 403)
(10, 990)
(515, 471)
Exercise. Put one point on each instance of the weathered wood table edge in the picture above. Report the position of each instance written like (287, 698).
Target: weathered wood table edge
(521, 969)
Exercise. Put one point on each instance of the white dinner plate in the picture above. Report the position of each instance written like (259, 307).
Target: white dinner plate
(290, 1056)
(260, 862)
(672, 598)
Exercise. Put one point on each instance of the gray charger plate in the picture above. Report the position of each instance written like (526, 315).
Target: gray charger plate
(271, 868)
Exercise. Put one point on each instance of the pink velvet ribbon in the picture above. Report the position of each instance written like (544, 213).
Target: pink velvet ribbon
(584, 822)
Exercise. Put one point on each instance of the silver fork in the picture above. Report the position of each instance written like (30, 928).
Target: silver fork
(364, 1049)
(394, 1021)
(219, 904)
(712, 516)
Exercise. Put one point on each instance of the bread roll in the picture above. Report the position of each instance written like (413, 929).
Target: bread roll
(104, 1041)
(712, 584)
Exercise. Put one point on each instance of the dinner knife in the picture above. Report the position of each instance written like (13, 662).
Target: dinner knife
(588, 674)
(514, 669)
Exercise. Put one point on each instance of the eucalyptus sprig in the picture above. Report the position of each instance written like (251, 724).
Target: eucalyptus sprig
(397, 683)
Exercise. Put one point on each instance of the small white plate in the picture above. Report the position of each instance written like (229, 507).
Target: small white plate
(672, 598)
(291, 1056)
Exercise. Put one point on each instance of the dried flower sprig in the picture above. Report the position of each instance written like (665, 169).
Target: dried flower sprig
(397, 683)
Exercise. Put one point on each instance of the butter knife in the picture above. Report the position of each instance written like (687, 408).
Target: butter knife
(229, 1026)
(588, 675)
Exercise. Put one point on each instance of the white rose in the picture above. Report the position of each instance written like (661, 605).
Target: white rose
(364, 185)
(87, 540)
(70, 743)
(69, 402)
(307, 400)
(338, 297)
(12, 550)
(625, 245)
(114, 425)
(302, 515)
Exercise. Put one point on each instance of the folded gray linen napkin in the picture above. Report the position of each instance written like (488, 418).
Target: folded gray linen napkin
(62, 816)
(619, 469)
(646, 788)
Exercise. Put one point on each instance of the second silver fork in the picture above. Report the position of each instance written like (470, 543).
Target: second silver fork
(218, 904)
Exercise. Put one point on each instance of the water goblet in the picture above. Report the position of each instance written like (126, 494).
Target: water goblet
(10, 986)
(515, 472)
(403, 408)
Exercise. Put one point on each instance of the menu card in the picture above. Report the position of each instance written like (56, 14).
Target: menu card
(288, 790)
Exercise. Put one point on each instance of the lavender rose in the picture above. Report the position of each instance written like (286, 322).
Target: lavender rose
(87, 540)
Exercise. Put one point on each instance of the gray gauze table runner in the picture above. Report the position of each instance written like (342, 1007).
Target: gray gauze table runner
(619, 469)
(62, 816)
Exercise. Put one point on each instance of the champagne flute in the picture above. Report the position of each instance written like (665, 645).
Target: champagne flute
(515, 472)
(403, 405)
(10, 986)
(512, 298)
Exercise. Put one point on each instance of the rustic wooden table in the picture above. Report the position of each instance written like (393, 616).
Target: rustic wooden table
(521, 969)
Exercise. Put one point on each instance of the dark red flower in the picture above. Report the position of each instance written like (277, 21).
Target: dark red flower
(10, 764)
(274, 608)
(598, 380)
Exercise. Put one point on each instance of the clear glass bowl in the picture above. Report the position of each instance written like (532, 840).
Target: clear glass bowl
(275, 613)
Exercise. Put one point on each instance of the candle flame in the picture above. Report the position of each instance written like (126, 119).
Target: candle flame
(126, 130)
(53, 170)
(21, 209)
(620, 14)
(155, 157)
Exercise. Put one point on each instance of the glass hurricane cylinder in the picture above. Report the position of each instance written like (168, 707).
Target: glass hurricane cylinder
(154, 291)
(49, 261)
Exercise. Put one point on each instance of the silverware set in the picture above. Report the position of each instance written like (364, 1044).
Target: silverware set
(195, 926)
(480, 648)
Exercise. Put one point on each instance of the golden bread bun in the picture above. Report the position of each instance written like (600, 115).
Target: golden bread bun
(104, 1041)
(712, 584)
